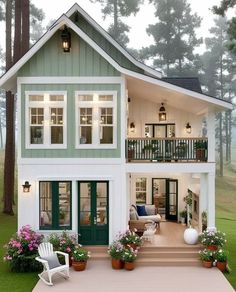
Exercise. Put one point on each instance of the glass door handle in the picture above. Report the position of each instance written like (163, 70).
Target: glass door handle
(95, 220)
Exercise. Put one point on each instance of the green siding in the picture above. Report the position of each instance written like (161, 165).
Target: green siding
(111, 50)
(50, 60)
(70, 152)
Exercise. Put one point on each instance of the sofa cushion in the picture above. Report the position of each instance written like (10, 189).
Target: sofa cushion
(155, 218)
(141, 210)
(150, 209)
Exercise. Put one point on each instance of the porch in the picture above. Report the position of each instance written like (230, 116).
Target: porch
(167, 149)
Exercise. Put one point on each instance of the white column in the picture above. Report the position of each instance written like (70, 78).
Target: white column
(202, 198)
(211, 201)
(211, 136)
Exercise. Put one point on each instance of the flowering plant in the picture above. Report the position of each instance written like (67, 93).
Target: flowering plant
(80, 254)
(221, 255)
(129, 255)
(115, 250)
(22, 250)
(64, 242)
(206, 255)
(212, 237)
(130, 237)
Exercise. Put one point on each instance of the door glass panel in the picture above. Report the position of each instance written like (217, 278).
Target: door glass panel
(101, 203)
(45, 204)
(64, 203)
(85, 203)
(159, 131)
(172, 204)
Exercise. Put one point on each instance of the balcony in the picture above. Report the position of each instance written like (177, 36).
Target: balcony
(166, 149)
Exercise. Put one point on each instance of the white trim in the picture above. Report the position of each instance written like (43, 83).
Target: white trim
(147, 69)
(123, 118)
(96, 105)
(46, 105)
(19, 122)
(69, 80)
(69, 161)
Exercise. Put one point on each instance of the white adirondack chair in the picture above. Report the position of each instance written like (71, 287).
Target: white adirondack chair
(45, 250)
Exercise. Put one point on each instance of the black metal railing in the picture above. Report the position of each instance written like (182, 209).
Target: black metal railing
(166, 149)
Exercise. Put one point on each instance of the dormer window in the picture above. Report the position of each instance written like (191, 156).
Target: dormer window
(45, 120)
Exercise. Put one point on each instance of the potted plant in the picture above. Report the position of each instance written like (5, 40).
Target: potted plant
(221, 257)
(130, 239)
(183, 216)
(206, 256)
(200, 147)
(129, 256)
(79, 258)
(212, 239)
(115, 250)
(131, 149)
(149, 149)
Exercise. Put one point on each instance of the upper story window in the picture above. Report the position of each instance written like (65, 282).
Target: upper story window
(96, 125)
(45, 120)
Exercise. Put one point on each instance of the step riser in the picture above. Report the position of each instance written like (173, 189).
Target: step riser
(168, 255)
(168, 264)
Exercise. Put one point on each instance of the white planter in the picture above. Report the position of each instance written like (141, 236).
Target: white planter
(191, 236)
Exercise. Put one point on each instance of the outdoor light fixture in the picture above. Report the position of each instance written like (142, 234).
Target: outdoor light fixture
(188, 128)
(26, 187)
(162, 113)
(132, 127)
(66, 40)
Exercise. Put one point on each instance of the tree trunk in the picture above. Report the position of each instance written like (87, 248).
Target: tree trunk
(25, 26)
(116, 19)
(9, 161)
(17, 37)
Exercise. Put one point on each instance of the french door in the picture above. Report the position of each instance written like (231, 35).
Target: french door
(172, 199)
(93, 212)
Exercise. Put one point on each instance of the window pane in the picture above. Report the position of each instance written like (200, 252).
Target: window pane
(88, 97)
(106, 97)
(56, 135)
(45, 194)
(36, 97)
(36, 135)
(85, 135)
(56, 97)
(64, 203)
(86, 116)
(101, 203)
(106, 135)
(141, 190)
(36, 116)
(57, 116)
(85, 203)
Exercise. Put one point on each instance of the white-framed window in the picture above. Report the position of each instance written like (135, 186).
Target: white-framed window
(45, 119)
(141, 190)
(96, 119)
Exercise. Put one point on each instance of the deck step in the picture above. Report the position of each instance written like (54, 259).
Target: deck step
(186, 262)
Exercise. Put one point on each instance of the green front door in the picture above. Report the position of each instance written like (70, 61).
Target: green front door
(172, 199)
(93, 212)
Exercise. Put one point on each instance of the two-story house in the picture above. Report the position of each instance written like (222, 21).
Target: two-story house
(99, 131)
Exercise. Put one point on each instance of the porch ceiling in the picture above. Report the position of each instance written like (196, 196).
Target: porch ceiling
(156, 93)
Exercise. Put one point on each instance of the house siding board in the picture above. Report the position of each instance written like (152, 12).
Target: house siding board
(81, 61)
(105, 44)
(70, 152)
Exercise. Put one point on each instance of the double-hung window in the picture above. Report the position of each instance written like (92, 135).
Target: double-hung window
(45, 120)
(96, 125)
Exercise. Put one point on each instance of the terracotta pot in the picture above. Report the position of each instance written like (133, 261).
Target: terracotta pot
(221, 266)
(129, 266)
(207, 264)
(212, 247)
(117, 264)
(79, 266)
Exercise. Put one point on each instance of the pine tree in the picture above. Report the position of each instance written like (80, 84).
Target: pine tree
(175, 29)
(118, 9)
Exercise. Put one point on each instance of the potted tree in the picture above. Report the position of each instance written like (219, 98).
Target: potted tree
(183, 216)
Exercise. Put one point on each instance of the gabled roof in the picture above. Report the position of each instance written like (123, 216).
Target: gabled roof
(191, 83)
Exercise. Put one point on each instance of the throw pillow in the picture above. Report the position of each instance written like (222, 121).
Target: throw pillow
(52, 260)
(141, 210)
(133, 214)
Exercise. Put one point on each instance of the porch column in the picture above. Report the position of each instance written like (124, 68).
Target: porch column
(211, 136)
(211, 201)
(202, 198)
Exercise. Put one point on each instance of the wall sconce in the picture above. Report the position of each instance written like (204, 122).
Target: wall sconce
(26, 187)
(132, 127)
(188, 128)
(66, 40)
(162, 113)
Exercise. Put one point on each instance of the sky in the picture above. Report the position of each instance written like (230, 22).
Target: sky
(55, 8)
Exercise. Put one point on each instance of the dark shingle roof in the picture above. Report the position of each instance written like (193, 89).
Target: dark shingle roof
(191, 83)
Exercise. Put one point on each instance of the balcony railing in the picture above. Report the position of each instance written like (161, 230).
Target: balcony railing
(166, 149)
